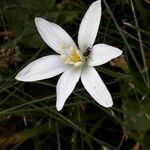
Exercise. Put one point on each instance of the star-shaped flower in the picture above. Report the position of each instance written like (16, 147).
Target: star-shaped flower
(72, 60)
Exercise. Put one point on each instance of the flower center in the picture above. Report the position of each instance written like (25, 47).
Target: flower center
(72, 55)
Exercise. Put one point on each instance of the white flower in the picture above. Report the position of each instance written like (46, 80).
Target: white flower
(73, 61)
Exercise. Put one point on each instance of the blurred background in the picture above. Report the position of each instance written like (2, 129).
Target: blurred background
(28, 116)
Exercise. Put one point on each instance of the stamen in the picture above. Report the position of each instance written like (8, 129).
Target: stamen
(75, 55)
(72, 56)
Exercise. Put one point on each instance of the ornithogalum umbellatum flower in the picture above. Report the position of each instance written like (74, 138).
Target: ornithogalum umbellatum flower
(73, 61)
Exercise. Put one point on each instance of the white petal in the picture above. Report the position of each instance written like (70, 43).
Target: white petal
(53, 35)
(66, 84)
(89, 26)
(42, 68)
(102, 53)
(96, 87)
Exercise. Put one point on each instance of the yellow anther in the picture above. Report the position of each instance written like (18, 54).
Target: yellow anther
(72, 56)
(75, 56)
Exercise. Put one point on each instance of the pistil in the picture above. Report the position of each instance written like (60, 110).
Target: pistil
(72, 56)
